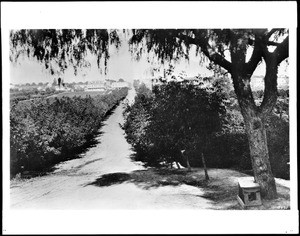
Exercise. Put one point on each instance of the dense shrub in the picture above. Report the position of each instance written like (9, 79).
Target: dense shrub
(44, 131)
(228, 148)
(176, 117)
(231, 149)
(278, 143)
(136, 121)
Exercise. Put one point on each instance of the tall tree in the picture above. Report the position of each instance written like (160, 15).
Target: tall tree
(173, 44)
(69, 48)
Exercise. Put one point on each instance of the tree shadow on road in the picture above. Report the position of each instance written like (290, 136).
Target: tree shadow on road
(151, 178)
(110, 179)
(221, 189)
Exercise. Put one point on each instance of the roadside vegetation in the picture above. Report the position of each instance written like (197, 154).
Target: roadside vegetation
(44, 131)
(196, 126)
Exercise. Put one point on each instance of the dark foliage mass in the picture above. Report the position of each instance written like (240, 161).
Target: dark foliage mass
(176, 118)
(172, 117)
(46, 131)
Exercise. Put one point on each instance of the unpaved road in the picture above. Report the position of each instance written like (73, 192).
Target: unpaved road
(68, 186)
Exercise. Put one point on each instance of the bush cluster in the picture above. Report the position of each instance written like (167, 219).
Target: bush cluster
(173, 122)
(155, 122)
(46, 131)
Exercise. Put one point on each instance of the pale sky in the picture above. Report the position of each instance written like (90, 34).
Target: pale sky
(120, 65)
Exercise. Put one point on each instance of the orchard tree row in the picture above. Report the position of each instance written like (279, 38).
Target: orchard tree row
(46, 131)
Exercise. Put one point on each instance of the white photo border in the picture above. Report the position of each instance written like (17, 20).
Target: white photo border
(128, 15)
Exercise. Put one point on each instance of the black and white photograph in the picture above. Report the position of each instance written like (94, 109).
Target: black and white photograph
(133, 117)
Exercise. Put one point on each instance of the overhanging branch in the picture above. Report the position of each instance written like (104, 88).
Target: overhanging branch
(272, 31)
(260, 50)
(270, 92)
(208, 51)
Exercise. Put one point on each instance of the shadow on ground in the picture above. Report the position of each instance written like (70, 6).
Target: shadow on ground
(152, 178)
(221, 189)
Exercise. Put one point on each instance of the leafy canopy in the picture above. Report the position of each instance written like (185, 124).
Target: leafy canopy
(173, 44)
(70, 47)
(175, 117)
(63, 48)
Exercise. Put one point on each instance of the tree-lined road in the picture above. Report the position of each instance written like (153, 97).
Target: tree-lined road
(68, 187)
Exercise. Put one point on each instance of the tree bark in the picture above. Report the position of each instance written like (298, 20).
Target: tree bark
(255, 128)
(204, 166)
(254, 116)
(259, 154)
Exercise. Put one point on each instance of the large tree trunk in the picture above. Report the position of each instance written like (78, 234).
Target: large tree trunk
(254, 115)
(257, 138)
(256, 132)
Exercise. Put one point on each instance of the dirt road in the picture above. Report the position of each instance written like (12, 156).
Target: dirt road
(68, 187)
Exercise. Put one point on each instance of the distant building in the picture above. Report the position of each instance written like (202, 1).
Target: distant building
(118, 85)
(109, 83)
(95, 86)
(79, 86)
